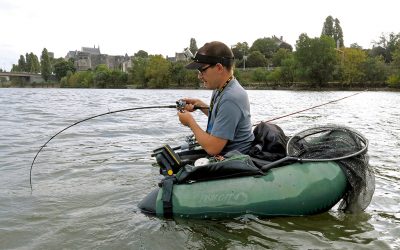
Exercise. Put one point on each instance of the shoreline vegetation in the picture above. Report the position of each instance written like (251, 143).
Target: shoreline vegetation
(309, 67)
(269, 63)
(249, 78)
(250, 86)
(259, 78)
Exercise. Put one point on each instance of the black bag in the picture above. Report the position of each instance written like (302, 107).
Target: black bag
(269, 143)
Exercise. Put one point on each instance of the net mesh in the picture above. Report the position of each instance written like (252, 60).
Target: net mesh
(349, 149)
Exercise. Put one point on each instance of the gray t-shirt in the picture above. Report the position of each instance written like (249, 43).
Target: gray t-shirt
(230, 117)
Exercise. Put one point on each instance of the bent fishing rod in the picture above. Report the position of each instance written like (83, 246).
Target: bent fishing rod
(180, 105)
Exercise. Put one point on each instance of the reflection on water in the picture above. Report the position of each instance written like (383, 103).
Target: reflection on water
(88, 180)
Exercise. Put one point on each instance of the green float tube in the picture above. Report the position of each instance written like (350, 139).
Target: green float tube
(292, 190)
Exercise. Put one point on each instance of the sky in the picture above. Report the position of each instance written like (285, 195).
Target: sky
(166, 26)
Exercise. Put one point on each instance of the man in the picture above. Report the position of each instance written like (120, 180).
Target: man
(229, 124)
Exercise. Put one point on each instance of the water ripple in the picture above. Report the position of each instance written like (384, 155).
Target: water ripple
(88, 181)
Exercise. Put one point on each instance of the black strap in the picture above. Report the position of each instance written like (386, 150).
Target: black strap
(217, 95)
(167, 186)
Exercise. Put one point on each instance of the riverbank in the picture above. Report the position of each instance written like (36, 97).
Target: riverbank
(254, 86)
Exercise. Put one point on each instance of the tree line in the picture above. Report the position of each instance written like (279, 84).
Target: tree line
(269, 62)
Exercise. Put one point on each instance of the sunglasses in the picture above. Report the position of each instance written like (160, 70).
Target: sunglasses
(202, 70)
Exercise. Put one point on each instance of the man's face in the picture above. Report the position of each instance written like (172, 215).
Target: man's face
(207, 75)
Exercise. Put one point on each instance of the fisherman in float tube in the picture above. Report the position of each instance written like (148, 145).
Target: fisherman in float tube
(229, 121)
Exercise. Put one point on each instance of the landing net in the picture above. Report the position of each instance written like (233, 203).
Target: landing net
(349, 149)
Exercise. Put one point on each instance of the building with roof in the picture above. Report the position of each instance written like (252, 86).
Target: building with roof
(89, 58)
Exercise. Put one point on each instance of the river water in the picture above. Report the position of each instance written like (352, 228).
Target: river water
(89, 179)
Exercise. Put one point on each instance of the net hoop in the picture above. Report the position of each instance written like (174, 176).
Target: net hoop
(326, 128)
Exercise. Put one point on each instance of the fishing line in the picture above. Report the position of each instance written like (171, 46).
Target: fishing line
(313, 107)
(89, 118)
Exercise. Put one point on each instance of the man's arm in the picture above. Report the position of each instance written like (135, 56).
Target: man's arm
(211, 144)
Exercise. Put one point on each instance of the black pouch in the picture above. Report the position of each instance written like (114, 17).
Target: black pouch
(269, 143)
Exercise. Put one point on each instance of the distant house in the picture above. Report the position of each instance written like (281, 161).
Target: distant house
(83, 61)
(91, 51)
(127, 63)
(89, 58)
(71, 54)
(282, 44)
(179, 57)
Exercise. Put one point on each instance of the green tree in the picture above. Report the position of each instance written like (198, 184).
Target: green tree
(332, 29)
(141, 54)
(62, 67)
(14, 68)
(267, 46)
(286, 46)
(279, 56)
(138, 71)
(316, 59)
(256, 59)
(259, 75)
(21, 64)
(288, 69)
(338, 34)
(81, 79)
(28, 66)
(178, 73)
(182, 77)
(327, 28)
(101, 76)
(45, 65)
(394, 78)
(118, 79)
(353, 61)
(275, 76)
(193, 46)
(240, 51)
(64, 82)
(377, 51)
(158, 71)
(386, 46)
(374, 70)
(395, 64)
(35, 65)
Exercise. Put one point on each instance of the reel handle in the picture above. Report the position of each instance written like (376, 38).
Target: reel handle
(180, 105)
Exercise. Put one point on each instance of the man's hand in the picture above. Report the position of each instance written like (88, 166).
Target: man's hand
(192, 102)
(211, 144)
(185, 118)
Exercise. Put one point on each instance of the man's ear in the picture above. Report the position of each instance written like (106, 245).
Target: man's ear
(220, 67)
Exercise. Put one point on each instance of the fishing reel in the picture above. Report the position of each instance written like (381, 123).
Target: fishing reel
(180, 105)
(190, 141)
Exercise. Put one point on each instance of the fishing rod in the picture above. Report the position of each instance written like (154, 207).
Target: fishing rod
(180, 105)
(313, 107)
